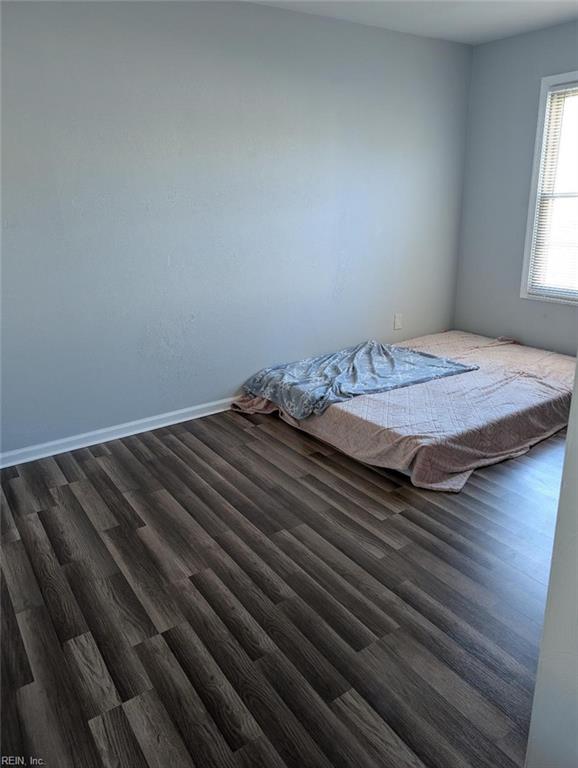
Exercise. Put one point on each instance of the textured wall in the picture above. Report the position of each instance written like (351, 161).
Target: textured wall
(502, 123)
(194, 191)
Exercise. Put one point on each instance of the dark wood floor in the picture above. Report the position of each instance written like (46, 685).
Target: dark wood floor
(228, 593)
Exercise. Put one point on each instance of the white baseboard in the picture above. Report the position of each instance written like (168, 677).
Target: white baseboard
(72, 443)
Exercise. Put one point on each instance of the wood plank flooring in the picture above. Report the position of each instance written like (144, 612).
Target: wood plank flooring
(229, 593)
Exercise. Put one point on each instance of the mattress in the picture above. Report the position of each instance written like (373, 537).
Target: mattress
(439, 431)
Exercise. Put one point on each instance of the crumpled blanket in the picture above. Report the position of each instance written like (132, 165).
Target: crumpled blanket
(308, 387)
(440, 431)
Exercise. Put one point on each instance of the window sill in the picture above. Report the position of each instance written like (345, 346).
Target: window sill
(549, 299)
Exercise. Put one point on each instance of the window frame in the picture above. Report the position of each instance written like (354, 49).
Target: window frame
(548, 84)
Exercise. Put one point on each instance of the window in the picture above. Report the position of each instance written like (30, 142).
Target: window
(551, 254)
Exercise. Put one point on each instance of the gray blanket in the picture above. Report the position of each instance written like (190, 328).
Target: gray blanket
(310, 386)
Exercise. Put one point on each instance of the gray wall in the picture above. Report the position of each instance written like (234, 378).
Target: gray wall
(501, 131)
(553, 740)
(194, 191)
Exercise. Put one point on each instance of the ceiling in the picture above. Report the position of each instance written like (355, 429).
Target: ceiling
(463, 21)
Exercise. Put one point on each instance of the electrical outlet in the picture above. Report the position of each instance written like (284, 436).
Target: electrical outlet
(397, 321)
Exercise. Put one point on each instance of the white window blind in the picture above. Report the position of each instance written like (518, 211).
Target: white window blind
(552, 245)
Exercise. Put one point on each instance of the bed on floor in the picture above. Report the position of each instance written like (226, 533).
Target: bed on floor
(439, 431)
